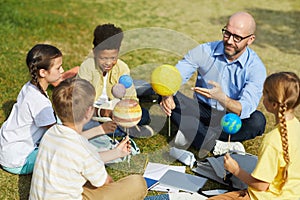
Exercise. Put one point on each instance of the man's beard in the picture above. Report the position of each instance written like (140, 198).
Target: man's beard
(230, 54)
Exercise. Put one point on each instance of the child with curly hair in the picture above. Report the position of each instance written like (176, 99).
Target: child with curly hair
(103, 69)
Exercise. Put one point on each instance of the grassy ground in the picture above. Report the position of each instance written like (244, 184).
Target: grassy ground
(69, 25)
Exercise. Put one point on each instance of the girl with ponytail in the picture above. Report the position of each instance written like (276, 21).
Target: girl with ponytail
(32, 114)
(277, 174)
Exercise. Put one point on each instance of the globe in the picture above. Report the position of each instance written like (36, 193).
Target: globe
(231, 123)
(126, 80)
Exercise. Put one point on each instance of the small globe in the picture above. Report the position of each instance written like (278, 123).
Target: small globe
(231, 123)
(126, 80)
(118, 90)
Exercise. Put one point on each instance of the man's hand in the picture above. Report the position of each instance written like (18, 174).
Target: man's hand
(167, 104)
(215, 92)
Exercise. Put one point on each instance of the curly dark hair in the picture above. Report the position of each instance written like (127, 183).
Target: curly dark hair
(107, 36)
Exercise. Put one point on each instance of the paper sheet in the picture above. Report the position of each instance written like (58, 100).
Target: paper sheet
(156, 171)
(186, 196)
(214, 192)
(182, 181)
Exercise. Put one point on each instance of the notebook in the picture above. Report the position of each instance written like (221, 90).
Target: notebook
(182, 181)
(150, 183)
(157, 170)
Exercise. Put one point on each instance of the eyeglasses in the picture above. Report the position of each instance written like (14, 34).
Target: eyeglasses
(236, 38)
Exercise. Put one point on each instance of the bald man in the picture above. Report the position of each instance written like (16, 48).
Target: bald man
(230, 78)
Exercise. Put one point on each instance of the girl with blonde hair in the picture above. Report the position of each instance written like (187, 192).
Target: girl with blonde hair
(276, 175)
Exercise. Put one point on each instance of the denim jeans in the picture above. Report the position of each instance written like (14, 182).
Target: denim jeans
(158, 197)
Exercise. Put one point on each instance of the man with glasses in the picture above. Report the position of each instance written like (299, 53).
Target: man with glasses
(230, 78)
(102, 68)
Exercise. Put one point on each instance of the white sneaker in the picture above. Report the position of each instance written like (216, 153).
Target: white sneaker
(184, 156)
(224, 147)
(180, 139)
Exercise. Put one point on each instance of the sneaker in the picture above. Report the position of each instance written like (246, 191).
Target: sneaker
(144, 131)
(224, 147)
(180, 139)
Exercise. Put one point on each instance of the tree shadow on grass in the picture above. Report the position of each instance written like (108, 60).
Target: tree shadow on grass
(14, 186)
(279, 29)
(276, 28)
(7, 106)
(24, 186)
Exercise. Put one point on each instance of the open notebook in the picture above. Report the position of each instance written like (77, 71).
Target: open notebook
(182, 181)
(151, 183)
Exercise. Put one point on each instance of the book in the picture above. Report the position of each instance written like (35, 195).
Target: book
(151, 182)
(157, 170)
(182, 181)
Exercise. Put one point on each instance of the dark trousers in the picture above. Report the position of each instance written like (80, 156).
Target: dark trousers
(201, 124)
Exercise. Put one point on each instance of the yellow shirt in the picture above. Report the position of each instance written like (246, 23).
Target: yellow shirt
(90, 72)
(270, 165)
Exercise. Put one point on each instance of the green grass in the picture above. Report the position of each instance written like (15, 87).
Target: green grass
(69, 26)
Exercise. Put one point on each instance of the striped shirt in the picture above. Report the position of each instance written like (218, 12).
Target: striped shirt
(66, 160)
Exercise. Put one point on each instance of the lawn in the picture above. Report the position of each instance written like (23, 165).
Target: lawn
(156, 32)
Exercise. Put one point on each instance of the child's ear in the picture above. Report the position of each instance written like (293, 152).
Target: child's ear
(89, 112)
(275, 105)
(42, 73)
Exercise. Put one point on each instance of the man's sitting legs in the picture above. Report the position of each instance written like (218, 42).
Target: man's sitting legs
(200, 124)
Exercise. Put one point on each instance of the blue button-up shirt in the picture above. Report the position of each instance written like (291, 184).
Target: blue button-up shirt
(241, 80)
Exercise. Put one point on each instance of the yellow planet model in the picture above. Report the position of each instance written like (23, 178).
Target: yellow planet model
(166, 80)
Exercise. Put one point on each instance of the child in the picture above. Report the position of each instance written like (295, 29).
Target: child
(67, 165)
(32, 114)
(102, 69)
(279, 150)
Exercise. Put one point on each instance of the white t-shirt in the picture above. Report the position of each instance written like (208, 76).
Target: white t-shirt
(103, 98)
(65, 161)
(22, 131)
